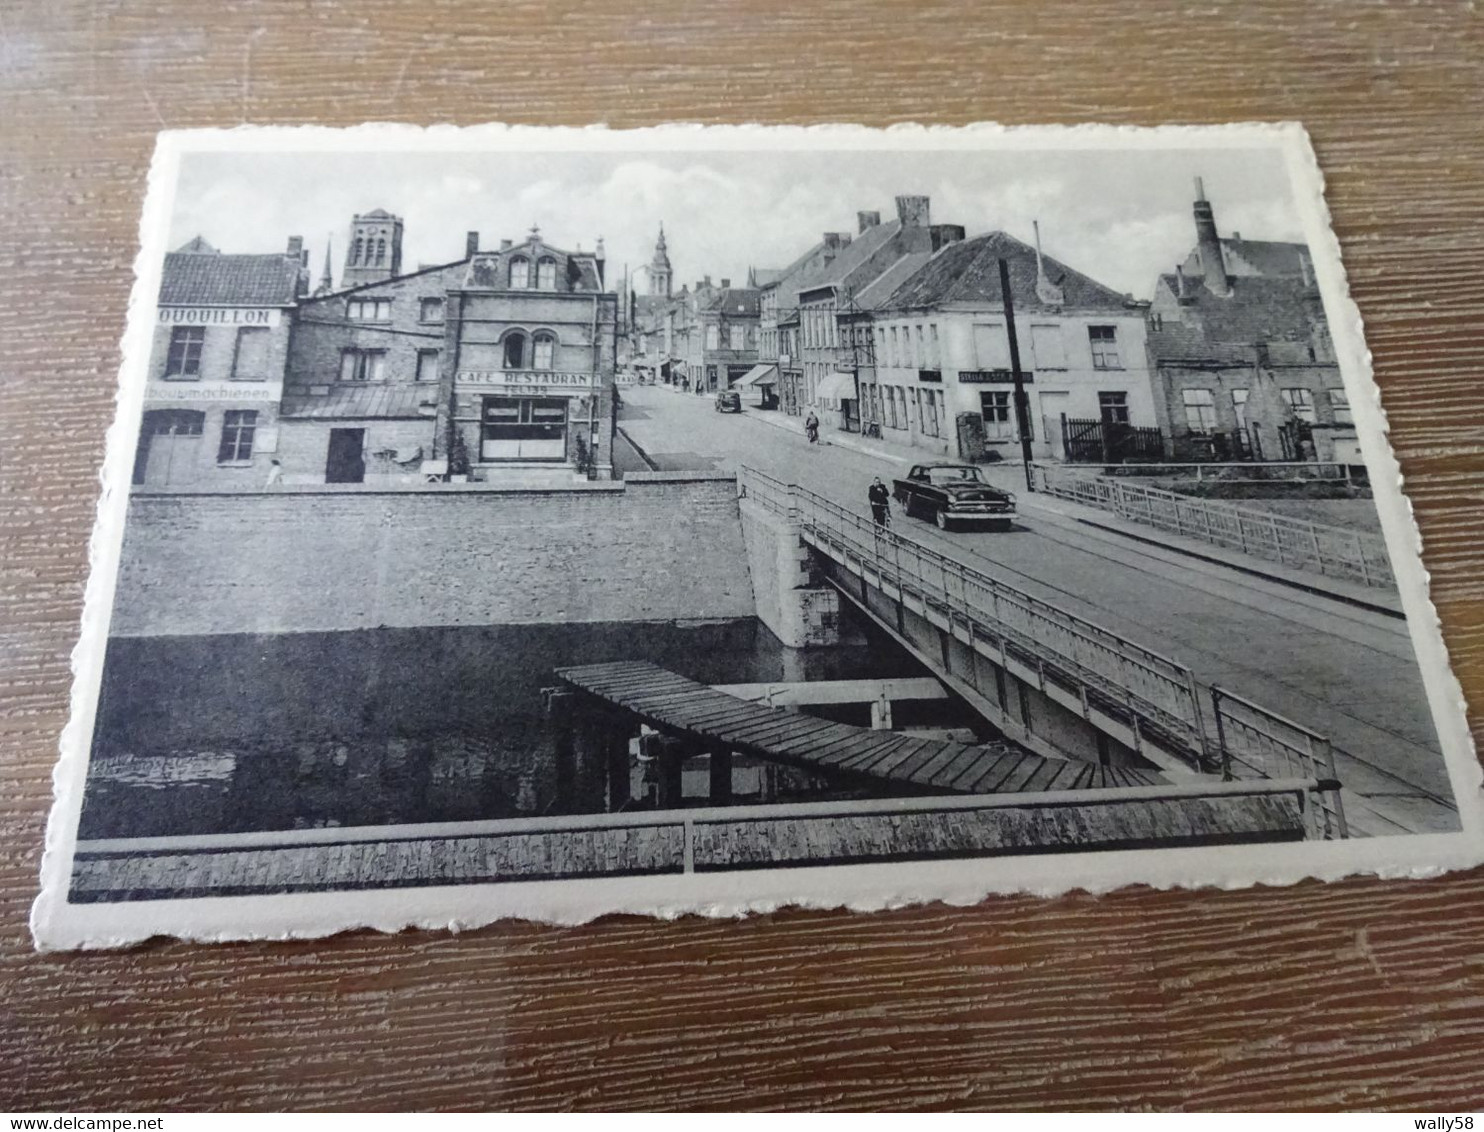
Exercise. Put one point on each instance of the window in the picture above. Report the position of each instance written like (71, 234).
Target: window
(237, 429)
(919, 350)
(935, 359)
(362, 365)
(1113, 407)
(355, 256)
(546, 274)
(515, 350)
(896, 348)
(999, 421)
(183, 363)
(900, 418)
(369, 310)
(520, 273)
(430, 310)
(1104, 340)
(1339, 403)
(427, 365)
(544, 352)
(173, 422)
(1301, 401)
(380, 252)
(930, 412)
(991, 346)
(739, 337)
(713, 337)
(1200, 411)
(1239, 406)
(250, 363)
(1048, 348)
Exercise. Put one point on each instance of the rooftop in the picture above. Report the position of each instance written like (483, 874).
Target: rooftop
(199, 274)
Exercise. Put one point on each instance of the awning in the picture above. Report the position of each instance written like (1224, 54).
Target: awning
(759, 375)
(836, 386)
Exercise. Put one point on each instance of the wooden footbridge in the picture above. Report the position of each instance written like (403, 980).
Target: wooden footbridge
(720, 722)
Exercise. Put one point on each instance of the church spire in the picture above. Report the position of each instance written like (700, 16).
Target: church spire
(659, 268)
(326, 280)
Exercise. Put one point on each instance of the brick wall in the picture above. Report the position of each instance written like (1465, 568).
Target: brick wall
(656, 547)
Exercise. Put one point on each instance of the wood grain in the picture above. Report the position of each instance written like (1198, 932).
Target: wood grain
(1365, 994)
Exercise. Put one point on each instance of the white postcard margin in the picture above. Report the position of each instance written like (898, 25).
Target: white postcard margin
(56, 924)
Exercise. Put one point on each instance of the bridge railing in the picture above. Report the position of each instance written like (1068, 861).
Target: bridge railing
(1333, 551)
(1156, 692)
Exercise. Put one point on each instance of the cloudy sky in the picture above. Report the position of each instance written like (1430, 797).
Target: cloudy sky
(1119, 217)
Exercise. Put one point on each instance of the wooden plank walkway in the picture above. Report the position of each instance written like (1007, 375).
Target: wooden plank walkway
(671, 702)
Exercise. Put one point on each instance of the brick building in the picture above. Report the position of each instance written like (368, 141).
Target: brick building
(500, 359)
(942, 359)
(215, 377)
(724, 342)
(1245, 367)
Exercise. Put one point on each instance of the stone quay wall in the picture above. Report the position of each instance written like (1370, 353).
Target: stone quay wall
(662, 546)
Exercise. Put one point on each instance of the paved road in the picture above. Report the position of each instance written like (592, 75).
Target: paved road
(1344, 671)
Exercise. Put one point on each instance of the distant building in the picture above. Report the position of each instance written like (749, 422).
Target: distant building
(500, 359)
(1244, 362)
(724, 346)
(943, 379)
(215, 379)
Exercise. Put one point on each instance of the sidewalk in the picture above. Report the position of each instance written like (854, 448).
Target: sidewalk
(1010, 477)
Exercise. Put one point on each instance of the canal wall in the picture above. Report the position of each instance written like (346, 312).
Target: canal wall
(660, 546)
(791, 600)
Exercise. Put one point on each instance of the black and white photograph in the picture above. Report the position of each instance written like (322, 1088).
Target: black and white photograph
(553, 523)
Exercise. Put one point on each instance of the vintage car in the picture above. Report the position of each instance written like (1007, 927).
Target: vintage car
(954, 493)
(729, 401)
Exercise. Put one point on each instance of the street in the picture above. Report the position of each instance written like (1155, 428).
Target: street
(1345, 671)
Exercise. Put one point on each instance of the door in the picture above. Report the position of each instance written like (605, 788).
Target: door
(169, 447)
(1053, 416)
(346, 462)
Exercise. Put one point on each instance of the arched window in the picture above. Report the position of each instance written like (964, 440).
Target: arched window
(355, 256)
(546, 274)
(380, 252)
(520, 273)
(515, 351)
(544, 352)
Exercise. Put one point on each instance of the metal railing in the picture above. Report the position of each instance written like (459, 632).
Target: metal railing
(1332, 551)
(1152, 692)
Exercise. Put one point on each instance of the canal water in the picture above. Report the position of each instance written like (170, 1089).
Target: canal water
(227, 734)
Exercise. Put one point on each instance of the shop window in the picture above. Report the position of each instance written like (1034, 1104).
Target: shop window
(1113, 407)
(523, 428)
(250, 362)
(1301, 401)
(515, 351)
(431, 310)
(427, 365)
(544, 351)
(362, 365)
(183, 362)
(369, 310)
(238, 427)
(1104, 341)
(1200, 411)
(999, 420)
(1339, 403)
(546, 274)
(520, 273)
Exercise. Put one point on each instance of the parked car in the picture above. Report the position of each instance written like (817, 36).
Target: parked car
(729, 401)
(954, 493)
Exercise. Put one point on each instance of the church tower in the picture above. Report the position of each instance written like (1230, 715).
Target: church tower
(374, 253)
(659, 268)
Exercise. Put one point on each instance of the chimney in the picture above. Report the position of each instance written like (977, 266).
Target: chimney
(913, 212)
(725, 283)
(471, 243)
(867, 220)
(832, 241)
(1208, 244)
(944, 234)
(506, 245)
(1180, 284)
(707, 280)
(296, 247)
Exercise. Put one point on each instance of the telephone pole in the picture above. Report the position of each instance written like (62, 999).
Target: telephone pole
(1022, 402)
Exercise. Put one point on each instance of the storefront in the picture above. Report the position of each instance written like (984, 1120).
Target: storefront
(526, 417)
(523, 428)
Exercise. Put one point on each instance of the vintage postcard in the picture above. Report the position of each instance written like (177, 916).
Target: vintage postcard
(549, 523)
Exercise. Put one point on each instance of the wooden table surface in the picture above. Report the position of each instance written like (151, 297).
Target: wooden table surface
(1364, 994)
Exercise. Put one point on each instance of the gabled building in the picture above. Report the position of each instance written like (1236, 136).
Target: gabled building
(943, 379)
(502, 359)
(724, 346)
(1245, 366)
(215, 379)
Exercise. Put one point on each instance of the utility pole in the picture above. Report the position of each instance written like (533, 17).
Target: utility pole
(1022, 402)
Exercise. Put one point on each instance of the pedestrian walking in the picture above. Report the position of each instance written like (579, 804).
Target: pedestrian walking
(880, 499)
